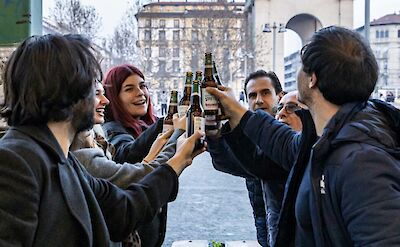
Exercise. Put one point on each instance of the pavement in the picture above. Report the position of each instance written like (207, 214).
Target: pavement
(211, 205)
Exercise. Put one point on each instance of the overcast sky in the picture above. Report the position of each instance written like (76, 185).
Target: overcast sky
(111, 14)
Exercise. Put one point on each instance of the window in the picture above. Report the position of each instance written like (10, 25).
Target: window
(161, 66)
(162, 23)
(381, 34)
(162, 52)
(386, 34)
(161, 35)
(377, 34)
(147, 23)
(226, 36)
(175, 52)
(195, 35)
(175, 35)
(149, 66)
(175, 66)
(147, 35)
(176, 23)
(398, 33)
(147, 52)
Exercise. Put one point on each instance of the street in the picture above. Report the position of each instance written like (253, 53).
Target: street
(211, 205)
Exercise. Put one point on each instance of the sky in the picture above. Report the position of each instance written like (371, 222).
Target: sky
(112, 13)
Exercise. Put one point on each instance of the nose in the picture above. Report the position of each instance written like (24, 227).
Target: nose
(104, 100)
(259, 99)
(281, 114)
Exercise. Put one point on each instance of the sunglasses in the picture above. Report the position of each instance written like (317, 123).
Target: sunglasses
(289, 107)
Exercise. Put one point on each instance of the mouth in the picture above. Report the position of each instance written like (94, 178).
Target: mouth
(140, 102)
(100, 111)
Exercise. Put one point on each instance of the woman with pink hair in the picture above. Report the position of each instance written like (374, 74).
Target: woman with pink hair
(132, 128)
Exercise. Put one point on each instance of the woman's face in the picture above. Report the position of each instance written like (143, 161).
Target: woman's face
(134, 96)
(100, 104)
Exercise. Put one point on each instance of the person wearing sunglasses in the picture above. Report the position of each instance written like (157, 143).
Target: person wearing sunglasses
(286, 109)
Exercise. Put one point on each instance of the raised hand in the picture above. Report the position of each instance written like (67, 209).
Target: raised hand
(157, 145)
(233, 109)
(185, 153)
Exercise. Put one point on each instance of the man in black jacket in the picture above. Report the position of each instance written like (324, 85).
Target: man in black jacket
(344, 184)
(47, 198)
(263, 90)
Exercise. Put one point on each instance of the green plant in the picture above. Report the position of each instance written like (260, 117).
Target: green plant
(214, 243)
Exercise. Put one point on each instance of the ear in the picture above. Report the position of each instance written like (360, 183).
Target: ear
(312, 80)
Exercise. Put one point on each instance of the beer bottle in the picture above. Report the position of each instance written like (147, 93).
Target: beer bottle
(221, 112)
(195, 115)
(185, 100)
(210, 103)
(199, 76)
(172, 109)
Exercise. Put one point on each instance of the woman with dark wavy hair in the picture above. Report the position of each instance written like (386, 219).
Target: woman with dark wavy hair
(132, 128)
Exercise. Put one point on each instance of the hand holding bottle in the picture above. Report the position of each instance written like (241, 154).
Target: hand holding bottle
(234, 111)
(185, 153)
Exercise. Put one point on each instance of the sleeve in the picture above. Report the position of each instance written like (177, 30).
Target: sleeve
(124, 210)
(276, 140)
(128, 149)
(19, 203)
(169, 149)
(223, 159)
(369, 190)
(122, 175)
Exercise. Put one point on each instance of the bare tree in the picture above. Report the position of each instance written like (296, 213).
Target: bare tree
(123, 41)
(76, 18)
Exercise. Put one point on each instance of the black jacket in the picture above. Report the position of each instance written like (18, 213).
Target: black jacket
(353, 174)
(50, 200)
(129, 149)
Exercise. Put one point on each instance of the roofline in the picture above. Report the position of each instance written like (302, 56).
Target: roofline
(195, 3)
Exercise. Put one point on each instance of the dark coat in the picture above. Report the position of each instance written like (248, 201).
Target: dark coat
(50, 200)
(129, 149)
(236, 155)
(343, 188)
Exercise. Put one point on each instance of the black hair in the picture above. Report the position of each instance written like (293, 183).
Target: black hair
(343, 63)
(262, 73)
(46, 76)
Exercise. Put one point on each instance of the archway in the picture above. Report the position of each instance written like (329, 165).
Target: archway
(305, 25)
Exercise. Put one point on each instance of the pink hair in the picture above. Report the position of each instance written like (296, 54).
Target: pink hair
(113, 83)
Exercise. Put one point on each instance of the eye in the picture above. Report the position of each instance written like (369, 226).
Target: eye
(252, 96)
(98, 92)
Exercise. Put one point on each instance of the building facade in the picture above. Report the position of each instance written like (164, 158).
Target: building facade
(270, 19)
(385, 43)
(173, 37)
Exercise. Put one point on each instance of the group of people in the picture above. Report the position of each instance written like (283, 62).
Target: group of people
(84, 162)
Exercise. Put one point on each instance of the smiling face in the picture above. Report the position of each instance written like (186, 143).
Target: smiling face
(261, 94)
(134, 96)
(99, 104)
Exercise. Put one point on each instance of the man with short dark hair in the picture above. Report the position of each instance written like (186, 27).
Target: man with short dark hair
(344, 185)
(263, 90)
(47, 198)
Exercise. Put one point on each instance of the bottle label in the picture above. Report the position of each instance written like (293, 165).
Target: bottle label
(173, 103)
(182, 110)
(209, 101)
(167, 127)
(198, 124)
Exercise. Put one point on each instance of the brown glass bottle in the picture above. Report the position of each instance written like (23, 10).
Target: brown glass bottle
(172, 109)
(221, 112)
(195, 114)
(210, 103)
(199, 76)
(185, 100)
